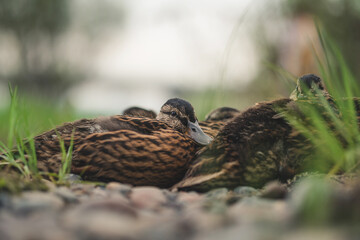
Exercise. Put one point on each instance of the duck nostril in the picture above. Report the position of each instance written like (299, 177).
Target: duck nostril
(193, 129)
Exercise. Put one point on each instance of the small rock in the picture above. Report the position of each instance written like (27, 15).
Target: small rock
(201, 220)
(219, 193)
(51, 186)
(103, 225)
(82, 189)
(124, 189)
(216, 200)
(171, 196)
(274, 190)
(119, 205)
(189, 197)
(246, 191)
(147, 197)
(253, 209)
(99, 193)
(41, 226)
(72, 178)
(5, 200)
(66, 195)
(103, 219)
(166, 227)
(36, 201)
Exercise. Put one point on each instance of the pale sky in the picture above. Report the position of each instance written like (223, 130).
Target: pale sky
(171, 43)
(160, 45)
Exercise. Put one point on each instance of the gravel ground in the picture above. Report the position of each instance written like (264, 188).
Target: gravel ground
(118, 211)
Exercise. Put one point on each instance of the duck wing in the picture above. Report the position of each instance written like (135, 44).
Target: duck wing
(158, 159)
(211, 128)
(47, 144)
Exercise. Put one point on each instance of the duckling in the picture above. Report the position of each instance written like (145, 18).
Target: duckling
(139, 112)
(253, 148)
(222, 114)
(137, 151)
(216, 119)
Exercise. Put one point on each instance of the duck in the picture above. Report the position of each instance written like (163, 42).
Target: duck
(131, 150)
(254, 147)
(222, 114)
(139, 112)
(216, 119)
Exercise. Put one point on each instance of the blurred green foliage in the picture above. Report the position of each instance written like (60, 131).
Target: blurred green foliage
(41, 116)
(26, 17)
(36, 24)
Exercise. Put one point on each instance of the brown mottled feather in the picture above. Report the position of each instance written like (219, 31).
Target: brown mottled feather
(211, 127)
(245, 152)
(216, 119)
(258, 145)
(145, 147)
(222, 114)
(134, 150)
(160, 159)
(139, 112)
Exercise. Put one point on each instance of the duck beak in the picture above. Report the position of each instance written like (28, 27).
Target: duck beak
(197, 133)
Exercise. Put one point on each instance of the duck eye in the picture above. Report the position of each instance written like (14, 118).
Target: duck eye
(173, 113)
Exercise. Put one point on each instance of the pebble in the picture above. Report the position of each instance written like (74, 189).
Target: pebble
(29, 202)
(5, 200)
(274, 190)
(189, 197)
(50, 185)
(119, 187)
(147, 197)
(72, 178)
(251, 210)
(119, 211)
(100, 224)
(66, 195)
(99, 193)
(246, 191)
(219, 193)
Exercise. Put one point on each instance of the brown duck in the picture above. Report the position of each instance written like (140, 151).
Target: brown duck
(211, 126)
(137, 151)
(216, 119)
(256, 146)
(139, 112)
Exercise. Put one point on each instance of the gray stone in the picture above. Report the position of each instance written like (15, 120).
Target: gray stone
(218, 193)
(104, 219)
(246, 191)
(66, 195)
(99, 193)
(42, 226)
(5, 200)
(274, 190)
(124, 189)
(147, 197)
(51, 186)
(252, 210)
(72, 178)
(189, 197)
(36, 201)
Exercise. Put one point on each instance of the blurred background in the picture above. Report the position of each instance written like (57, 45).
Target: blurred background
(85, 57)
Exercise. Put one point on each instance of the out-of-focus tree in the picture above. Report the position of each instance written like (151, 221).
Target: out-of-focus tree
(287, 39)
(36, 24)
(339, 18)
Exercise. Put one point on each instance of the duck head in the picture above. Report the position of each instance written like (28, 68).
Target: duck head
(139, 112)
(221, 114)
(180, 115)
(307, 86)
